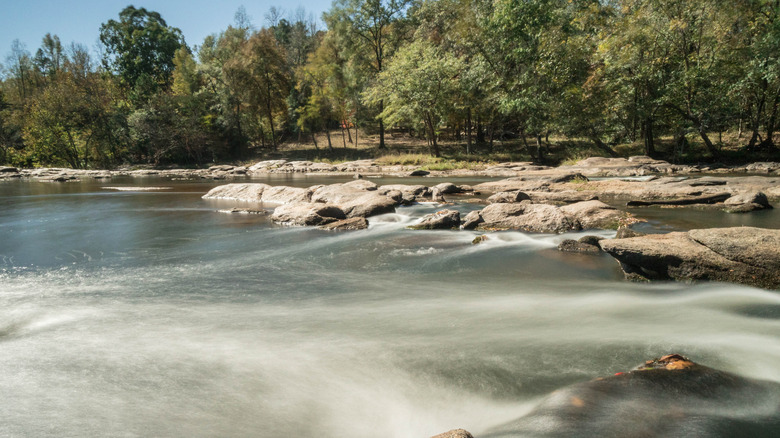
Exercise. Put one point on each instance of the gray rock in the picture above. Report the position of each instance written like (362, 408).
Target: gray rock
(419, 173)
(590, 240)
(625, 233)
(369, 204)
(441, 220)
(238, 192)
(446, 188)
(508, 197)
(471, 221)
(351, 224)
(436, 195)
(746, 202)
(307, 214)
(593, 214)
(570, 245)
(704, 199)
(741, 255)
(8, 169)
(536, 218)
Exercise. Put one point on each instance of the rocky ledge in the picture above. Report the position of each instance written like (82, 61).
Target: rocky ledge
(668, 396)
(741, 255)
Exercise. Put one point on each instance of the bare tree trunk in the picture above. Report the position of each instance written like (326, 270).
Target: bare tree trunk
(539, 153)
(314, 139)
(343, 138)
(381, 126)
(349, 133)
(327, 134)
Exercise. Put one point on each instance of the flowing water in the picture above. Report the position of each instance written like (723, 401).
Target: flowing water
(141, 313)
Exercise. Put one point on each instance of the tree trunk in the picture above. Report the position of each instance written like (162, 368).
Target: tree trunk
(349, 133)
(314, 139)
(468, 131)
(601, 145)
(539, 153)
(648, 131)
(327, 134)
(343, 138)
(381, 125)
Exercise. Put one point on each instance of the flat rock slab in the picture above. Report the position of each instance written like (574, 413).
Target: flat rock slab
(739, 255)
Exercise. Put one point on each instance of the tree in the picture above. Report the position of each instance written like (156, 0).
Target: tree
(371, 30)
(140, 48)
(261, 73)
(418, 85)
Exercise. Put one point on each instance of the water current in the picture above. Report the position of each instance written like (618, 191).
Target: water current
(140, 313)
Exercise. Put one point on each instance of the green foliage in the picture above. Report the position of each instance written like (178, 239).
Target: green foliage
(140, 48)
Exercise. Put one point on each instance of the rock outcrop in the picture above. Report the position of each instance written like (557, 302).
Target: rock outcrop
(740, 255)
(668, 396)
(351, 224)
(544, 218)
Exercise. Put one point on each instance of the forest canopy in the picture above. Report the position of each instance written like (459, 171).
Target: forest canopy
(608, 73)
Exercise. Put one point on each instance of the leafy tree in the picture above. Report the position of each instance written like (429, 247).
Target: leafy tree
(140, 48)
(262, 75)
(418, 86)
(371, 31)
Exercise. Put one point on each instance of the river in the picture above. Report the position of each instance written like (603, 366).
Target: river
(140, 313)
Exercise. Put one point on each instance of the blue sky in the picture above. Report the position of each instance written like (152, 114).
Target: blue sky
(79, 20)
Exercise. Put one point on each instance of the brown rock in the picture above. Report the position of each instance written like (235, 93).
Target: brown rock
(455, 433)
(441, 220)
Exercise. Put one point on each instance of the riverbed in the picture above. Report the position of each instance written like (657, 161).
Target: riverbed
(132, 307)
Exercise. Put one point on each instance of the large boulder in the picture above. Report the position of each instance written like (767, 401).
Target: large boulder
(238, 192)
(368, 204)
(307, 214)
(525, 216)
(251, 192)
(668, 396)
(441, 220)
(741, 255)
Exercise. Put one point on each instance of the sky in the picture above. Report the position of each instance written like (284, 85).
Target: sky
(79, 20)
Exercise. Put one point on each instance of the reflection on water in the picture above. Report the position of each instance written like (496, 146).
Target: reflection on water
(150, 314)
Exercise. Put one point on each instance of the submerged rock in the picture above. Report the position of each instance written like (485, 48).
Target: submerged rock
(668, 396)
(585, 245)
(740, 255)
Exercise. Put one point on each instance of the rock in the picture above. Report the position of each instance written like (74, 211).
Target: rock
(625, 233)
(536, 218)
(410, 193)
(441, 220)
(507, 197)
(594, 214)
(358, 176)
(479, 239)
(455, 433)
(668, 396)
(369, 204)
(471, 221)
(568, 177)
(436, 196)
(419, 173)
(740, 255)
(244, 211)
(307, 214)
(447, 188)
(706, 199)
(590, 240)
(4, 169)
(570, 245)
(746, 202)
(351, 224)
